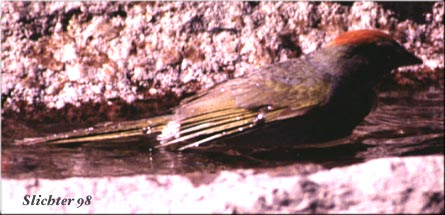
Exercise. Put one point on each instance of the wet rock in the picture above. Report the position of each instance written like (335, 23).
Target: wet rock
(57, 53)
(71, 60)
(387, 185)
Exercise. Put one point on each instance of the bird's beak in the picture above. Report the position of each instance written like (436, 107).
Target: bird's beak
(407, 58)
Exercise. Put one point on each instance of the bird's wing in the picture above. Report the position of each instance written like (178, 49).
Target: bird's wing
(240, 104)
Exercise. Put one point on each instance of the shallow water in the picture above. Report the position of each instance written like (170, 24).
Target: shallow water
(405, 122)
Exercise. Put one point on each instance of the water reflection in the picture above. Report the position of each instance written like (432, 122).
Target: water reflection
(407, 122)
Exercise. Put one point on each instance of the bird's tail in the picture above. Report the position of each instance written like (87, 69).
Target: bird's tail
(109, 131)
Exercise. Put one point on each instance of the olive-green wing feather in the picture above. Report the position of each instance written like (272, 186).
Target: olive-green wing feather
(266, 95)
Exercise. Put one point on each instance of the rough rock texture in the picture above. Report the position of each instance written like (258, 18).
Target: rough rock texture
(389, 185)
(56, 54)
(88, 57)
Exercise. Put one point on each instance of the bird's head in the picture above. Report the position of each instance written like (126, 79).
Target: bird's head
(365, 53)
(377, 46)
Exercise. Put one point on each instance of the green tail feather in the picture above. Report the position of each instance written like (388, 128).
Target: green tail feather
(108, 131)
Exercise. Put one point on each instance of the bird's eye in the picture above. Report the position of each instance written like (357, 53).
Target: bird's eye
(386, 48)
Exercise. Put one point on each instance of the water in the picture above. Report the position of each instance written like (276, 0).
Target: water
(406, 122)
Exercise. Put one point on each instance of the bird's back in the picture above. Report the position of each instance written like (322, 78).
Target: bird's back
(276, 92)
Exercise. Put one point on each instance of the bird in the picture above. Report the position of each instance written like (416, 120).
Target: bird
(318, 97)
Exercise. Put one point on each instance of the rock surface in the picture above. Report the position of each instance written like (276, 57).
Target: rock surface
(57, 54)
(388, 185)
(78, 59)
